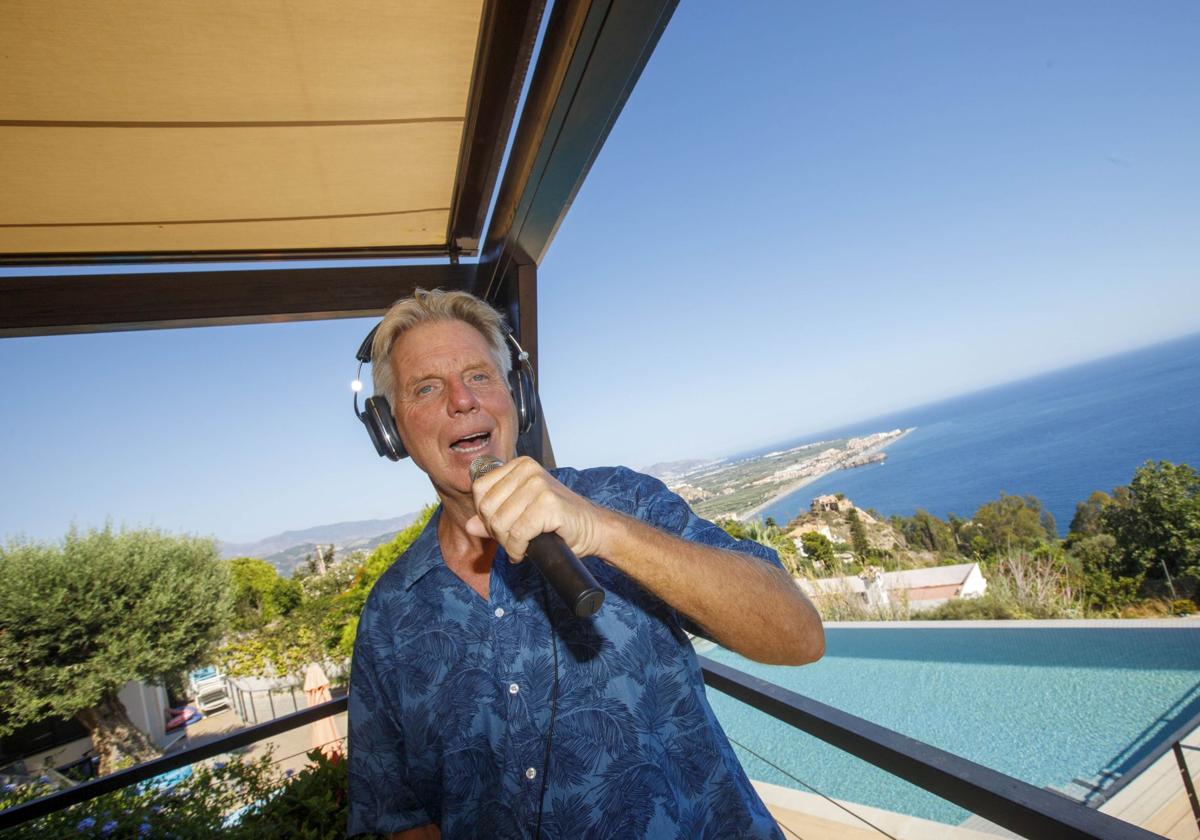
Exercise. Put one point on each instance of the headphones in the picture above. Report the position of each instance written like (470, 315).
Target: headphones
(377, 415)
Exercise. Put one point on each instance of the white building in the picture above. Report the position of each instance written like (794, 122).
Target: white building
(923, 589)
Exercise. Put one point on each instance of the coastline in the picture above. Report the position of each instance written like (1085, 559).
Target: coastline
(804, 482)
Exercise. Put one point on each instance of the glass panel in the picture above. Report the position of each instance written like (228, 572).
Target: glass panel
(1078, 709)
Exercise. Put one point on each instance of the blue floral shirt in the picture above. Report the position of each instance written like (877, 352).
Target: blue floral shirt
(450, 700)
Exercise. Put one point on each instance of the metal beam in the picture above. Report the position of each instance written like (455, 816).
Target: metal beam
(278, 255)
(507, 32)
(80, 303)
(592, 55)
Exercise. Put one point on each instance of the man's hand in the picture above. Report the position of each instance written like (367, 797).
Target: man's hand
(748, 605)
(519, 500)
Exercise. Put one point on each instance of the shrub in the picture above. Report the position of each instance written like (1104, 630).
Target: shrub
(314, 805)
(1182, 606)
(192, 809)
(238, 800)
(988, 606)
(1020, 585)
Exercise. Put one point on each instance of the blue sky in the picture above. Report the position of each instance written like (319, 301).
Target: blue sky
(807, 214)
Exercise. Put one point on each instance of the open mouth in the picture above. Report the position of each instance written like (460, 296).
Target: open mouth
(472, 443)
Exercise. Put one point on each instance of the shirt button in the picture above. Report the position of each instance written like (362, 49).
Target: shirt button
(499, 612)
(531, 774)
(513, 688)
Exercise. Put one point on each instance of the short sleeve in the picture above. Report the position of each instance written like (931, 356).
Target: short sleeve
(381, 800)
(648, 499)
(663, 509)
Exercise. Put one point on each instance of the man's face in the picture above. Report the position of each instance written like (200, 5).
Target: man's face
(451, 404)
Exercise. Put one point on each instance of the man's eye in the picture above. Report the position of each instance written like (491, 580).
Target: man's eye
(480, 377)
(424, 390)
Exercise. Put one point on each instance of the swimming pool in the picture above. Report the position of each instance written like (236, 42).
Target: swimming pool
(1046, 702)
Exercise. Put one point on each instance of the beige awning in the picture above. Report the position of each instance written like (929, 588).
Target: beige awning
(132, 126)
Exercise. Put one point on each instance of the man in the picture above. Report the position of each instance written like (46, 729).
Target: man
(480, 706)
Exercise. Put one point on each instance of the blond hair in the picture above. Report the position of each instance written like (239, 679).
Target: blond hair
(432, 306)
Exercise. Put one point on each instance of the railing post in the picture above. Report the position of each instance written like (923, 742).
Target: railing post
(271, 703)
(1187, 781)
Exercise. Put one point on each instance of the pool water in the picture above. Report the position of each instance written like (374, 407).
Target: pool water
(1043, 702)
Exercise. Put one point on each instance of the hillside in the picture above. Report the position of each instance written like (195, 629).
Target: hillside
(835, 524)
(287, 550)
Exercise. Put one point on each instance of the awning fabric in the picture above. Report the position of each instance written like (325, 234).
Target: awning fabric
(132, 126)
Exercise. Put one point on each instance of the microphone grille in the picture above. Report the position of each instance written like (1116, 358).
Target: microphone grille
(483, 465)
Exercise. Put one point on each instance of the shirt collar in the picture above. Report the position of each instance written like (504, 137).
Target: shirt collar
(424, 555)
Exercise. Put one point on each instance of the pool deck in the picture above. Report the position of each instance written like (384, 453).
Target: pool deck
(288, 749)
(1156, 800)
(814, 817)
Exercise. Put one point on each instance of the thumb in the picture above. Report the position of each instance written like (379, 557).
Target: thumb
(476, 528)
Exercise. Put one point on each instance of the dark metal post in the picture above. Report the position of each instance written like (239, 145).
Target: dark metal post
(527, 333)
(271, 702)
(1187, 781)
(515, 295)
(292, 691)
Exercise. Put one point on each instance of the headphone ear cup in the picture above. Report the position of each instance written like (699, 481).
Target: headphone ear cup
(381, 426)
(521, 385)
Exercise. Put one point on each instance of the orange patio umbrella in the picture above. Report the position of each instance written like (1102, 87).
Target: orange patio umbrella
(316, 690)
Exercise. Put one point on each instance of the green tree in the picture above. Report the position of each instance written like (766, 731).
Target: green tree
(817, 548)
(925, 531)
(1010, 523)
(1106, 588)
(260, 594)
(1087, 521)
(80, 619)
(351, 602)
(1156, 520)
(324, 624)
(858, 536)
(734, 528)
(773, 537)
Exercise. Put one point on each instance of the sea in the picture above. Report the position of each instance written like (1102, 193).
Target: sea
(1057, 436)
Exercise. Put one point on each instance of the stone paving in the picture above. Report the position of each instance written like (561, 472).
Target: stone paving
(288, 748)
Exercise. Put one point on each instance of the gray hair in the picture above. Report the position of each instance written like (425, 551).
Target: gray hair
(426, 307)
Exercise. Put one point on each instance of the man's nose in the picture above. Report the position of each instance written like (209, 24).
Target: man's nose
(460, 398)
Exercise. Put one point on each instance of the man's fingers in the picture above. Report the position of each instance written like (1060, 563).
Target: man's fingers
(476, 528)
(518, 502)
(485, 482)
(521, 516)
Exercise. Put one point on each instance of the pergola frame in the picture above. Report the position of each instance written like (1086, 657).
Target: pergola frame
(592, 53)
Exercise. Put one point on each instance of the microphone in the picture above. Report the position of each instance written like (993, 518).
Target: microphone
(557, 563)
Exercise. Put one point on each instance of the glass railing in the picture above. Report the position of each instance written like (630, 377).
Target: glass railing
(958, 783)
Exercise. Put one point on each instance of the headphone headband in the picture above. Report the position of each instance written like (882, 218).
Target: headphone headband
(377, 414)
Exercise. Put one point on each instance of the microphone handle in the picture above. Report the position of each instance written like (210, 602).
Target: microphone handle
(566, 574)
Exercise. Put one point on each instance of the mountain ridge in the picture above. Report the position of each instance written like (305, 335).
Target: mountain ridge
(341, 535)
